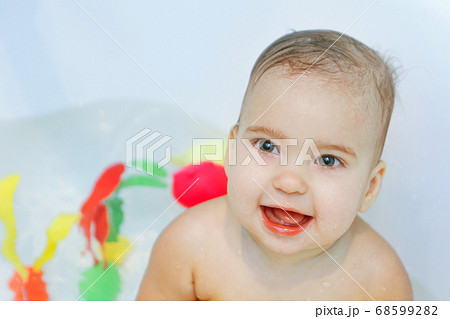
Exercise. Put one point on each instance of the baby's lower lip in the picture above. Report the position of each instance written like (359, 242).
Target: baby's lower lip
(285, 230)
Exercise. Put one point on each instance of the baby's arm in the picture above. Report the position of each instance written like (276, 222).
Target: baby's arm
(395, 284)
(390, 279)
(169, 275)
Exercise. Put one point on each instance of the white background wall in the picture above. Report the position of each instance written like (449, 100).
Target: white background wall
(53, 56)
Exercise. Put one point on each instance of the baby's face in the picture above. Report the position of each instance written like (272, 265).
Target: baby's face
(324, 194)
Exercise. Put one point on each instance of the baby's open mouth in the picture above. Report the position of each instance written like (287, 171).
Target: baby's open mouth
(284, 222)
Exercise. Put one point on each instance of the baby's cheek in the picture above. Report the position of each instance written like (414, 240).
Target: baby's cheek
(241, 186)
(336, 207)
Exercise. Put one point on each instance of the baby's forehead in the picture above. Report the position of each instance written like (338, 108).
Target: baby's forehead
(277, 84)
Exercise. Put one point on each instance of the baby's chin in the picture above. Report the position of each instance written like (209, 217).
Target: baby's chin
(293, 248)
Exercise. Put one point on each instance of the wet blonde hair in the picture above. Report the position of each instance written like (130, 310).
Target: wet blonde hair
(340, 59)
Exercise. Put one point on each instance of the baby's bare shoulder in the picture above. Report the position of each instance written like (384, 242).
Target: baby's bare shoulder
(201, 221)
(387, 278)
(193, 227)
(171, 269)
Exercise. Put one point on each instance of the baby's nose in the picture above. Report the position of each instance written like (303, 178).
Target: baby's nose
(290, 182)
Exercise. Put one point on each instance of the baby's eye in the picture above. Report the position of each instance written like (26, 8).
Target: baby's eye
(267, 146)
(328, 160)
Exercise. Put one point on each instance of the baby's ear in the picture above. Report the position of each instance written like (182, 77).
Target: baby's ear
(373, 189)
(231, 148)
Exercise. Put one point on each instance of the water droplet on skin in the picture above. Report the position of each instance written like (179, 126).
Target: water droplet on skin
(239, 252)
(201, 248)
(335, 226)
(383, 289)
(326, 284)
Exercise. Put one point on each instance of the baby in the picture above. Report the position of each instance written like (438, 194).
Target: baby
(305, 161)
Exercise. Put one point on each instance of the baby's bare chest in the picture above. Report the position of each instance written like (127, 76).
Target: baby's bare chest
(232, 277)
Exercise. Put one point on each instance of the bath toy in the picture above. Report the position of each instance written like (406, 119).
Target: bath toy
(212, 182)
(27, 282)
(100, 217)
(33, 288)
(94, 211)
(99, 285)
(103, 210)
(7, 189)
